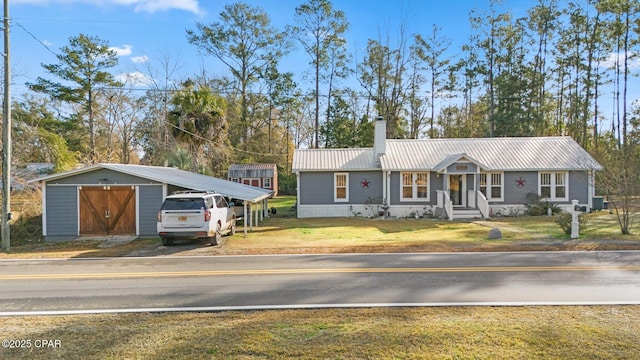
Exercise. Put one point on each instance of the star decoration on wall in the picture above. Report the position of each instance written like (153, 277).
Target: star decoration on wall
(365, 183)
(520, 182)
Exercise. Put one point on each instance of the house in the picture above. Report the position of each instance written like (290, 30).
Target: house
(449, 178)
(259, 175)
(117, 199)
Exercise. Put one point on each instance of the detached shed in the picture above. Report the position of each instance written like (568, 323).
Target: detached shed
(117, 199)
(259, 175)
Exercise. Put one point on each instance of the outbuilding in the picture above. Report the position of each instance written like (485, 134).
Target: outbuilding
(119, 199)
(259, 175)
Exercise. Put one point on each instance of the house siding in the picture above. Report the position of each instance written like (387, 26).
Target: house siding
(579, 186)
(150, 199)
(318, 187)
(435, 183)
(518, 195)
(468, 168)
(62, 212)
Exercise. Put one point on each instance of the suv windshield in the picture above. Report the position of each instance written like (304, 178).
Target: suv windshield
(183, 204)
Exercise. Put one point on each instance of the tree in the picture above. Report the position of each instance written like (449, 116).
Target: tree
(197, 119)
(431, 50)
(320, 30)
(83, 64)
(246, 43)
(40, 137)
(153, 131)
(381, 74)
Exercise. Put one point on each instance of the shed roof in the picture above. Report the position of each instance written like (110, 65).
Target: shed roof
(252, 170)
(492, 154)
(176, 177)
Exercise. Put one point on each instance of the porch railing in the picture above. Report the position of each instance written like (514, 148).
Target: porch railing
(483, 205)
(448, 205)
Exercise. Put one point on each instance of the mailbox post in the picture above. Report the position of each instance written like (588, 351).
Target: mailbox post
(575, 224)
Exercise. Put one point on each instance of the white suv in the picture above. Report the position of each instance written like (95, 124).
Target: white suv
(195, 215)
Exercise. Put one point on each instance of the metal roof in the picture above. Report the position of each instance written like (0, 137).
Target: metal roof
(492, 154)
(498, 154)
(176, 177)
(252, 170)
(453, 158)
(334, 159)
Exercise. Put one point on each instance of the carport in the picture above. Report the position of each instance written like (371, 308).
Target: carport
(122, 199)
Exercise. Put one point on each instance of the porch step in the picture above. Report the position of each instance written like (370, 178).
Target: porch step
(466, 214)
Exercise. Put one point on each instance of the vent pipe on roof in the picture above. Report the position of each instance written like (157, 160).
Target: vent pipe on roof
(380, 137)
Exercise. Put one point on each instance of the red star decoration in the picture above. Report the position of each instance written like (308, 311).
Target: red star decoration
(365, 183)
(520, 182)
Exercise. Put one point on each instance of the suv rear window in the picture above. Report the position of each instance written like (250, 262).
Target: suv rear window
(183, 204)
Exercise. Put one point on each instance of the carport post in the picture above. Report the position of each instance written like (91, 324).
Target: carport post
(244, 207)
(262, 211)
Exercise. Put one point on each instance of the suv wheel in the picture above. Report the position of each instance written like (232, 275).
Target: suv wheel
(215, 240)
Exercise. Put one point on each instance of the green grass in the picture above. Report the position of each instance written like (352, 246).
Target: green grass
(580, 332)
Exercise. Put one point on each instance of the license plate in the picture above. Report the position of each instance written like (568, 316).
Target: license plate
(182, 218)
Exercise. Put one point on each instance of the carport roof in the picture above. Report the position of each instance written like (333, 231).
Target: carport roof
(176, 177)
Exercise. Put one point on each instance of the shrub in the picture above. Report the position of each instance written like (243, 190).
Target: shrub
(564, 220)
(537, 207)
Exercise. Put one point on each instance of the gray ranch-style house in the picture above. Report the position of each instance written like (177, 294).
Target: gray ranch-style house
(448, 178)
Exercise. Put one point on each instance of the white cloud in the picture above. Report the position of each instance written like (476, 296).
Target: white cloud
(134, 79)
(152, 6)
(149, 6)
(123, 51)
(140, 59)
(633, 63)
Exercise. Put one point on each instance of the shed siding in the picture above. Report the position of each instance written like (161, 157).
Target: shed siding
(62, 211)
(112, 177)
(150, 202)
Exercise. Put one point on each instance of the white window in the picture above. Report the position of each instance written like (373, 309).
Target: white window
(553, 186)
(266, 183)
(414, 186)
(491, 185)
(341, 187)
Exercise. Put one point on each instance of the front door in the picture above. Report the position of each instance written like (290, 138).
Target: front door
(457, 190)
(107, 210)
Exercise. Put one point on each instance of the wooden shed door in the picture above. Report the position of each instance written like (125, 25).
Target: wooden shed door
(107, 210)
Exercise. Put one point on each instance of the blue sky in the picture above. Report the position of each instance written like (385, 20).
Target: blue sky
(143, 30)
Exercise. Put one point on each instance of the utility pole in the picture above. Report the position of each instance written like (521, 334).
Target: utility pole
(6, 138)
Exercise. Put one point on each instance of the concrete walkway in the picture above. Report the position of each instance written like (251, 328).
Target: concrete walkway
(110, 241)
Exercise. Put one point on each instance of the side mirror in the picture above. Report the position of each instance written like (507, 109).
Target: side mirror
(232, 204)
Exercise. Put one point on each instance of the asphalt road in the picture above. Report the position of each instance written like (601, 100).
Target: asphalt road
(299, 281)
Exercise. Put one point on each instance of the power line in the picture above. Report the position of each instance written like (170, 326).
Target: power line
(36, 38)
